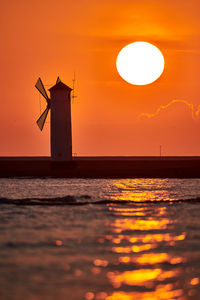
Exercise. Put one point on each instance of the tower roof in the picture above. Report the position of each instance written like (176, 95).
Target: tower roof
(60, 86)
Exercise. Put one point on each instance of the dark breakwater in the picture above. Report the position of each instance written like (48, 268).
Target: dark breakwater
(102, 167)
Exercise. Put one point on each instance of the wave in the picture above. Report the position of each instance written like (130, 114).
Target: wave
(85, 200)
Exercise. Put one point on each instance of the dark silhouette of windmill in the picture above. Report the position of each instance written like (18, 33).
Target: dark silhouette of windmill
(59, 103)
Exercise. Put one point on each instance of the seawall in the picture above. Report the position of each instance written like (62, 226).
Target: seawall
(103, 167)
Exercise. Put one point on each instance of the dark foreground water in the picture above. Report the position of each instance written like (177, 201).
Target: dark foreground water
(99, 239)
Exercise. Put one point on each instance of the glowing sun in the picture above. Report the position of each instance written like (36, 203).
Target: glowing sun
(140, 63)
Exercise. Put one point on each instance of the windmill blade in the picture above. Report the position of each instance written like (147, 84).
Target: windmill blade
(40, 87)
(58, 80)
(42, 118)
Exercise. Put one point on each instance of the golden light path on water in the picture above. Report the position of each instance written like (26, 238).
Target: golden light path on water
(144, 241)
(124, 190)
(135, 254)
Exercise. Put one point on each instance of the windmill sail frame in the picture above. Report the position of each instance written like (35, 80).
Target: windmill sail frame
(40, 87)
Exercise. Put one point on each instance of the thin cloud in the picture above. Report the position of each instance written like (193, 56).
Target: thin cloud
(195, 111)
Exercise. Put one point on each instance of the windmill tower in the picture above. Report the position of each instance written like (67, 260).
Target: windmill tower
(60, 105)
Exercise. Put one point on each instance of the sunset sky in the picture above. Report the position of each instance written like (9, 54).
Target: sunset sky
(109, 116)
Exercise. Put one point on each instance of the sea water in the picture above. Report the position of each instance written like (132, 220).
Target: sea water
(84, 239)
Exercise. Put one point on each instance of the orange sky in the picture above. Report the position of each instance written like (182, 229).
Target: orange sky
(110, 116)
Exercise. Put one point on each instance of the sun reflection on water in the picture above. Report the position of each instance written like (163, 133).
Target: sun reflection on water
(143, 243)
(142, 277)
(162, 292)
(145, 224)
(140, 190)
(138, 238)
(141, 236)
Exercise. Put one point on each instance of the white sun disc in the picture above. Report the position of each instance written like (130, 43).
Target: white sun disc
(140, 63)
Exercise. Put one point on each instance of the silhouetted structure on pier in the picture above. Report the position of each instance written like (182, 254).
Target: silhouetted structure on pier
(60, 105)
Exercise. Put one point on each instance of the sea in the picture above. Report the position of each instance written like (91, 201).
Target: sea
(113, 239)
